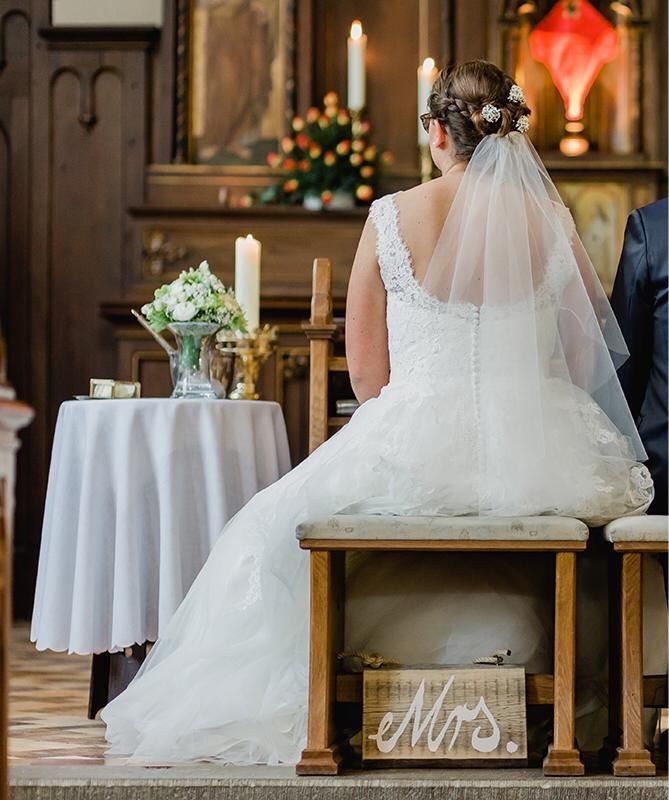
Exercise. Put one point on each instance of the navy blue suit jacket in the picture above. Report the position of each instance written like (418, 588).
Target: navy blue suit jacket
(639, 301)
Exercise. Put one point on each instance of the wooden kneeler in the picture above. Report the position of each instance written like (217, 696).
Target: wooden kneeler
(565, 537)
(327, 541)
(632, 537)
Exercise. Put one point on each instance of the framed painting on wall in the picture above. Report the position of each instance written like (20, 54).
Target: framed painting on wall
(241, 79)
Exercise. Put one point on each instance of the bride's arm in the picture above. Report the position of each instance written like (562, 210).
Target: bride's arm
(366, 331)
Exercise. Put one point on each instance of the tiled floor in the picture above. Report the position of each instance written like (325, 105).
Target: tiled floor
(48, 708)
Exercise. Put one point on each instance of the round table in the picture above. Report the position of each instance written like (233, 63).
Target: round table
(138, 493)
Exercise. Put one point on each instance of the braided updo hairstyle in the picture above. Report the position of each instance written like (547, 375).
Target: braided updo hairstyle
(458, 97)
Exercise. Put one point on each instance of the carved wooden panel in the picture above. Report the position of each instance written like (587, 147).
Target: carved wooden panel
(15, 114)
(87, 90)
(163, 244)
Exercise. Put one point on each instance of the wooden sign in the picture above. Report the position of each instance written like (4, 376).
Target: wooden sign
(446, 714)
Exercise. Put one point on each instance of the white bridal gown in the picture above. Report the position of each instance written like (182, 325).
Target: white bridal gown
(228, 680)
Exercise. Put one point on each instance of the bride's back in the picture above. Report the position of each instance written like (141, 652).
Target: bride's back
(422, 211)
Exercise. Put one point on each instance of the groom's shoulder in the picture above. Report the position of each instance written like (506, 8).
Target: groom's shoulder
(654, 215)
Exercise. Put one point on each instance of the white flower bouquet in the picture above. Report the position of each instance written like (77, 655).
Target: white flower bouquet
(194, 307)
(195, 296)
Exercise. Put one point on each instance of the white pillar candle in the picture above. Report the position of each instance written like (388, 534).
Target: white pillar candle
(247, 278)
(427, 74)
(357, 46)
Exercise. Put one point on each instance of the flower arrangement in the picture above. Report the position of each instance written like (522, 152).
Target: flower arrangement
(326, 154)
(195, 296)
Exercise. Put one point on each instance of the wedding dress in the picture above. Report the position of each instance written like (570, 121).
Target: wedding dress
(454, 432)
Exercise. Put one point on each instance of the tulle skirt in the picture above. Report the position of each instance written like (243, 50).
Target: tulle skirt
(228, 680)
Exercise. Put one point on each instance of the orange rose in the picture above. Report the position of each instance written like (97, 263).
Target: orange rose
(323, 121)
(343, 118)
(290, 185)
(331, 99)
(364, 127)
(356, 159)
(302, 141)
(366, 171)
(313, 114)
(387, 157)
(298, 124)
(246, 201)
(289, 163)
(287, 144)
(358, 146)
(315, 151)
(370, 153)
(273, 159)
(329, 159)
(344, 147)
(364, 193)
(304, 165)
(326, 197)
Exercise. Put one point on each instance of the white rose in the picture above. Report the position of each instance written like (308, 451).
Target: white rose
(184, 312)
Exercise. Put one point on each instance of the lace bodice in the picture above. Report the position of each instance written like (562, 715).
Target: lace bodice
(428, 338)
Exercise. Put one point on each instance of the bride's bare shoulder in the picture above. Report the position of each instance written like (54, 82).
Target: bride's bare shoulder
(424, 200)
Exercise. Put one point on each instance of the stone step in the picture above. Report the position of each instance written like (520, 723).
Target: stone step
(212, 782)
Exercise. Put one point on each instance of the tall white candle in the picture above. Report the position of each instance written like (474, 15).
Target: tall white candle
(357, 46)
(247, 278)
(427, 74)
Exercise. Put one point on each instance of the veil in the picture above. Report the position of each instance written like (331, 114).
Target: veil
(509, 255)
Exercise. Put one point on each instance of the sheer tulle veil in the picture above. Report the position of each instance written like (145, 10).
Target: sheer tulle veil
(509, 256)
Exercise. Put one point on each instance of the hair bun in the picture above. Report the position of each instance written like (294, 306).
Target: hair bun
(477, 99)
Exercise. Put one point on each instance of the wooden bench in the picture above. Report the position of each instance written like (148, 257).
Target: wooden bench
(328, 539)
(632, 537)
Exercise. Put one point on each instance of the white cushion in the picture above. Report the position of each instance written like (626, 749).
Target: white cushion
(378, 526)
(646, 528)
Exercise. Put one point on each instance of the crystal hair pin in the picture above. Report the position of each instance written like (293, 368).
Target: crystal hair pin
(523, 123)
(516, 94)
(490, 113)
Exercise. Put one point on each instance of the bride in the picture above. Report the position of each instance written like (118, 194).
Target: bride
(483, 352)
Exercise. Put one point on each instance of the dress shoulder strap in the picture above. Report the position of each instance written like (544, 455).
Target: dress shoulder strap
(391, 251)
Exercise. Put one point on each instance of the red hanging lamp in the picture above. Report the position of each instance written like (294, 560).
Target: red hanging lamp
(574, 41)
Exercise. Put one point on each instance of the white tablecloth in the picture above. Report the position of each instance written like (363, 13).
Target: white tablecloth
(138, 492)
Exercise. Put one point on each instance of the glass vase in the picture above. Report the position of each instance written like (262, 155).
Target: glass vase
(192, 379)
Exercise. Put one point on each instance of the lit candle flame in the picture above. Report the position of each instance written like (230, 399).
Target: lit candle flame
(356, 29)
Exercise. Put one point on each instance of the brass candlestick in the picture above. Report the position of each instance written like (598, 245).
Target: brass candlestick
(252, 350)
(356, 122)
(425, 163)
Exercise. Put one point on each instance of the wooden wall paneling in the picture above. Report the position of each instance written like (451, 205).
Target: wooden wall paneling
(304, 55)
(291, 238)
(654, 78)
(90, 93)
(472, 20)
(17, 33)
(162, 62)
